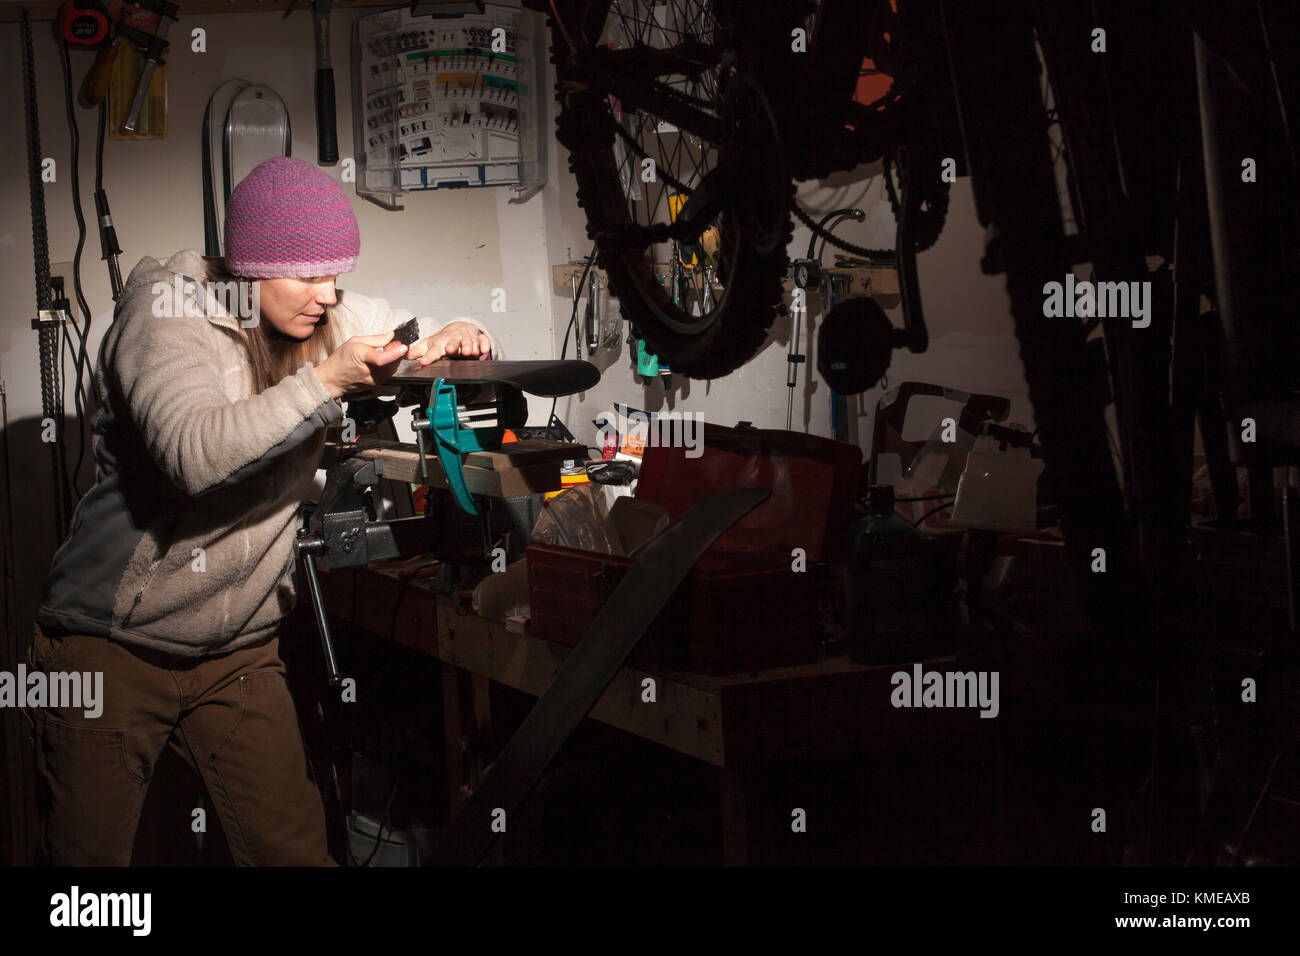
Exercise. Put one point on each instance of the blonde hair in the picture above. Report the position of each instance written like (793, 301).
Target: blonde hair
(275, 358)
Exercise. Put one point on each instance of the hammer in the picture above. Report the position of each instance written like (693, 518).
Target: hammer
(327, 146)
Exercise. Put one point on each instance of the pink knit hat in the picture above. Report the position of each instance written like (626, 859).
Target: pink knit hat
(287, 218)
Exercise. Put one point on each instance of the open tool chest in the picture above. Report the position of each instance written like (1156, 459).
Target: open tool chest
(743, 607)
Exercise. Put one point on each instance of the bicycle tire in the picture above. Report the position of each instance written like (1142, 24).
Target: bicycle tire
(735, 329)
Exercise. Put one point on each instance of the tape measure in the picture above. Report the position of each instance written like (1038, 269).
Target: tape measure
(83, 22)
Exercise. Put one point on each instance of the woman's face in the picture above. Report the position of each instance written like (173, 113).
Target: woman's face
(294, 307)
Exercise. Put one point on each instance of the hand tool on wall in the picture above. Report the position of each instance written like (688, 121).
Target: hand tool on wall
(593, 314)
(577, 295)
(83, 22)
(327, 145)
(152, 47)
(88, 24)
(122, 21)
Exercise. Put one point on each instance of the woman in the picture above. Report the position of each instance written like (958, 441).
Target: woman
(180, 563)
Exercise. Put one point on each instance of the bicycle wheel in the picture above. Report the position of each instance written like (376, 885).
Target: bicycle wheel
(676, 152)
(1014, 180)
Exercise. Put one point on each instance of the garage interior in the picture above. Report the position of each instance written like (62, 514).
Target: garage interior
(893, 458)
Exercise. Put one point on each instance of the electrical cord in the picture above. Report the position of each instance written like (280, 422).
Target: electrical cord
(334, 772)
(379, 834)
(933, 511)
(573, 321)
(78, 357)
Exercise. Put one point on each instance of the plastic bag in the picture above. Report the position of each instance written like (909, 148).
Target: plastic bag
(578, 518)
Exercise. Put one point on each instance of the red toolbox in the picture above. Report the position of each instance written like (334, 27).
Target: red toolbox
(743, 608)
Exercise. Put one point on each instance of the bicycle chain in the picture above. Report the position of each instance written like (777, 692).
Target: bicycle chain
(832, 240)
(929, 224)
(48, 341)
(36, 192)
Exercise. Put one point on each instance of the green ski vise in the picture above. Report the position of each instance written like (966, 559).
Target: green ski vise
(452, 443)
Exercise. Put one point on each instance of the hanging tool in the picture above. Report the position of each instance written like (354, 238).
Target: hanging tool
(677, 276)
(327, 144)
(839, 404)
(794, 358)
(108, 248)
(577, 294)
(84, 22)
(807, 275)
(88, 23)
(152, 48)
(593, 314)
(709, 272)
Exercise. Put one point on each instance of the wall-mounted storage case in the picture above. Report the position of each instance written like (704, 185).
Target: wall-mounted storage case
(445, 101)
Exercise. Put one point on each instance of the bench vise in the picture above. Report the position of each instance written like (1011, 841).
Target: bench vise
(342, 529)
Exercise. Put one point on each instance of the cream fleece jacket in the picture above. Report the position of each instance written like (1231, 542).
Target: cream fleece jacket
(185, 543)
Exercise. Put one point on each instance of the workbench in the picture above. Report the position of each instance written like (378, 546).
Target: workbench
(832, 708)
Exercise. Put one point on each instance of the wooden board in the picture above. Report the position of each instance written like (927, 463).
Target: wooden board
(831, 708)
(402, 463)
(522, 454)
(684, 718)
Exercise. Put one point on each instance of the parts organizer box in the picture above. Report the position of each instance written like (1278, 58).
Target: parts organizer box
(743, 607)
(446, 101)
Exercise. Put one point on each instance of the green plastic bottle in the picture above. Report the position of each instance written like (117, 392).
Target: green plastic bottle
(884, 592)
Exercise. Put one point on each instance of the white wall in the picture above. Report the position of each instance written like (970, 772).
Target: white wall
(443, 255)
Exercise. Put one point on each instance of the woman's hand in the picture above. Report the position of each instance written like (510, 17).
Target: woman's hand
(455, 340)
(361, 362)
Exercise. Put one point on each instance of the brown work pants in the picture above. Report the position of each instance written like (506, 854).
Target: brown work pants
(230, 717)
